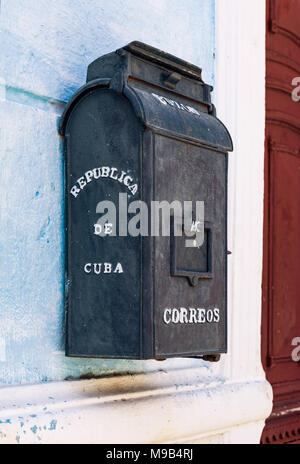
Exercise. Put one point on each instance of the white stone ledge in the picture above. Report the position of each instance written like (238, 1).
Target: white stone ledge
(176, 407)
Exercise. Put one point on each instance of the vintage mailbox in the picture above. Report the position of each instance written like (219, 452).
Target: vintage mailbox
(140, 132)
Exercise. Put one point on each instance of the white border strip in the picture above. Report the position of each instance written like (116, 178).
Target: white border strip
(240, 102)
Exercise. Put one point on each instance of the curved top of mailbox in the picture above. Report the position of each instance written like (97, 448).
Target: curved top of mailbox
(167, 94)
(178, 119)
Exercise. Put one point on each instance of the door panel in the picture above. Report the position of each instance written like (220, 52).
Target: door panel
(281, 266)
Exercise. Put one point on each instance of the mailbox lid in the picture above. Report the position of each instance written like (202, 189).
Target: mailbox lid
(140, 62)
(176, 115)
(167, 93)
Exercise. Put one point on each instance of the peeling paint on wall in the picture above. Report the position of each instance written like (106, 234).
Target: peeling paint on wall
(45, 53)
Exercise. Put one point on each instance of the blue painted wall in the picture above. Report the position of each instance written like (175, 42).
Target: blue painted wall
(46, 46)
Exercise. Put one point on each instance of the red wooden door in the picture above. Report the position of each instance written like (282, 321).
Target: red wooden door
(281, 266)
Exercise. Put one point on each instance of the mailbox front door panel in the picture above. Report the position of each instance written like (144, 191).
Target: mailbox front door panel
(102, 320)
(196, 314)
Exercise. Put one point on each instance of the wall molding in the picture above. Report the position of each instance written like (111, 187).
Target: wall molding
(157, 407)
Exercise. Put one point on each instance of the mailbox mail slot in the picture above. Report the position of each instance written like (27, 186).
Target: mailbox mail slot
(143, 126)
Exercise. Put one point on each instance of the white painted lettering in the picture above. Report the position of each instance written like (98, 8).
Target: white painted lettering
(121, 178)
(113, 175)
(127, 181)
(209, 315)
(105, 171)
(174, 104)
(107, 268)
(216, 315)
(167, 316)
(88, 268)
(103, 268)
(193, 316)
(108, 228)
(81, 182)
(119, 269)
(97, 268)
(75, 191)
(97, 173)
(89, 176)
(183, 316)
(175, 316)
(201, 315)
(98, 229)
(133, 189)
